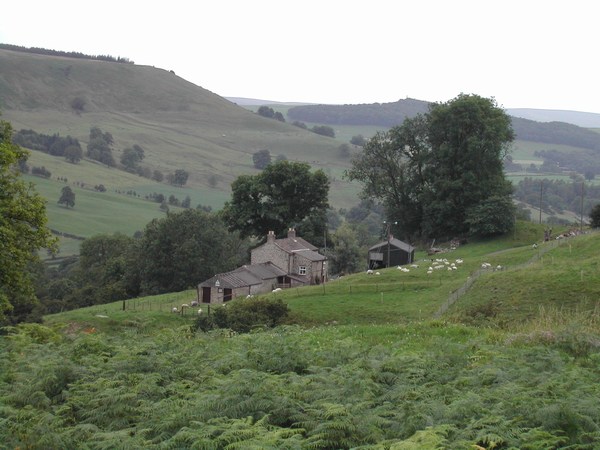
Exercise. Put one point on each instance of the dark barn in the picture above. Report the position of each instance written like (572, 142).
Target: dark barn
(392, 252)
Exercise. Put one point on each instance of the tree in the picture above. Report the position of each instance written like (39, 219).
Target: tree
(158, 176)
(358, 140)
(323, 130)
(435, 170)
(178, 178)
(23, 231)
(469, 138)
(266, 111)
(261, 159)
(131, 157)
(279, 117)
(99, 147)
(595, 216)
(345, 255)
(278, 198)
(73, 154)
(67, 197)
(180, 250)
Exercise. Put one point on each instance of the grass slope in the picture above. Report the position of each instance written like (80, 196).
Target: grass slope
(179, 124)
(389, 378)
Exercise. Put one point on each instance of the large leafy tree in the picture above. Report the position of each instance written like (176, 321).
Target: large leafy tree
(67, 197)
(469, 138)
(282, 196)
(435, 172)
(23, 231)
(181, 250)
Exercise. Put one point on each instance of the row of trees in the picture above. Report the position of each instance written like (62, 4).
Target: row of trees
(99, 148)
(171, 254)
(440, 174)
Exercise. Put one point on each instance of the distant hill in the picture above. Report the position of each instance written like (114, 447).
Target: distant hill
(387, 115)
(582, 119)
(177, 123)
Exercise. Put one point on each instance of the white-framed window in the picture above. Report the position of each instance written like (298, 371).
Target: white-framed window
(302, 270)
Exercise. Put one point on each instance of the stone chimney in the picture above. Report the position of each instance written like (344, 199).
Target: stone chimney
(271, 236)
(292, 233)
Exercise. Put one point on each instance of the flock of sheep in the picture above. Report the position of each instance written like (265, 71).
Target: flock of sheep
(177, 310)
(438, 264)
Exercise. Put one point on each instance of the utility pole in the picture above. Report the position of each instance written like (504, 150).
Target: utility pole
(581, 217)
(541, 195)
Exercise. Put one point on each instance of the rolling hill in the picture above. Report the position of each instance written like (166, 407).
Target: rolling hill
(178, 124)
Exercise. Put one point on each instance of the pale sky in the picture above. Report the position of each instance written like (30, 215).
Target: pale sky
(525, 53)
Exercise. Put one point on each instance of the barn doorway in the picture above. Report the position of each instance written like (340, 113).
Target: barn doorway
(205, 295)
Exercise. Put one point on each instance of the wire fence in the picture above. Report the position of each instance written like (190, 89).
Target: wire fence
(458, 293)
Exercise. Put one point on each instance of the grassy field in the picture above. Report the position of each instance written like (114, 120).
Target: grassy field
(512, 364)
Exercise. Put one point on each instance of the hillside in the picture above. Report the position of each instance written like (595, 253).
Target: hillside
(178, 124)
(512, 364)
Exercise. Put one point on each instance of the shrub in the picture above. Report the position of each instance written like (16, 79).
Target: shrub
(243, 315)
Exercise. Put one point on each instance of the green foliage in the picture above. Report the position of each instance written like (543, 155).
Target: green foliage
(595, 216)
(261, 159)
(433, 169)
(180, 250)
(131, 157)
(23, 231)
(345, 257)
(323, 130)
(178, 178)
(243, 315)
(492, 217)
(266, 111)
(99, 147)
(281, 196)
(67, 197)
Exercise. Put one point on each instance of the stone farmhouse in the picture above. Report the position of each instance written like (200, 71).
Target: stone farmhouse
(278, 263)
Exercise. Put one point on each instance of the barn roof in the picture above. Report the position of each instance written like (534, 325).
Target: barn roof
(394, 243)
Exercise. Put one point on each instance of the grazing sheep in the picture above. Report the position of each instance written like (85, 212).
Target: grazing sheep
(377, 273)
(194, 303)
(369, 272)
(459, 261)
(414, 266)
(174, 309)
(199, 311)
(276, 289)
(534, 246)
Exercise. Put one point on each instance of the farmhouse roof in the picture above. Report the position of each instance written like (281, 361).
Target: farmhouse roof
(247, 275)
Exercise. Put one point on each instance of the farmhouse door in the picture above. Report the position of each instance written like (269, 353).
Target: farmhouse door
(205, 295)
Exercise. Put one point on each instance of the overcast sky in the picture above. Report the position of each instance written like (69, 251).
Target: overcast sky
(525, 53)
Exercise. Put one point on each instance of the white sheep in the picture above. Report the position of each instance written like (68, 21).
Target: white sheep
(199, 311)
(414, 266)
(377, 273)
(174, 309)
(194, 303)
(498, 267)
(369, 272)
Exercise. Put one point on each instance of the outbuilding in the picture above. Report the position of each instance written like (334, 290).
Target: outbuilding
(392, 252)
